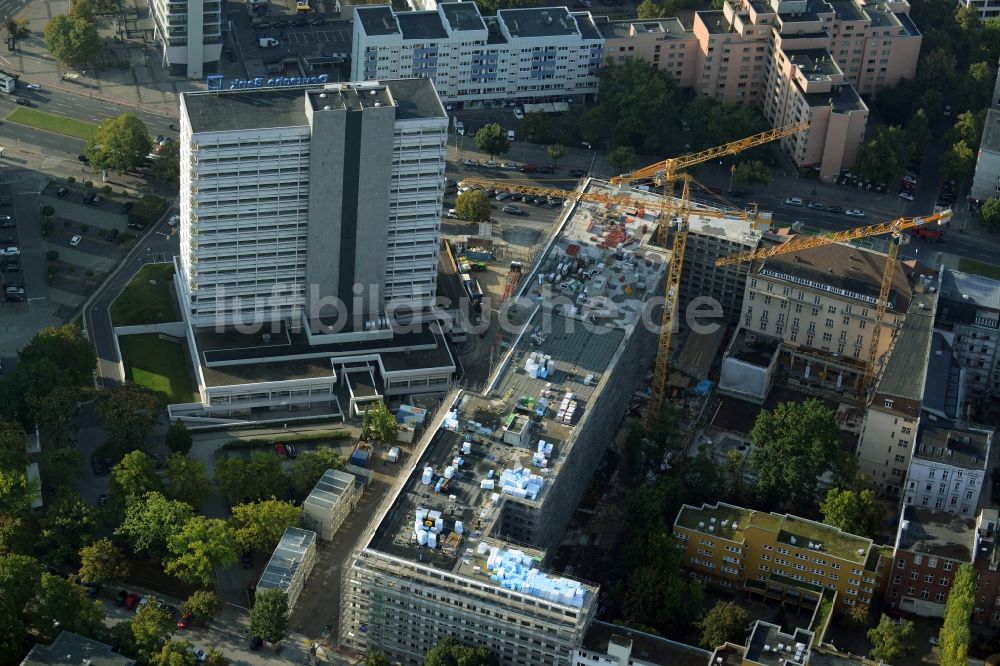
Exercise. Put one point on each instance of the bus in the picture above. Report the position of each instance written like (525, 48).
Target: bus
(7, 83)
(472, 288)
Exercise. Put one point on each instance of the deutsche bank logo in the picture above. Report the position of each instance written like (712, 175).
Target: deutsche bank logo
(279, 82)
(214, 81)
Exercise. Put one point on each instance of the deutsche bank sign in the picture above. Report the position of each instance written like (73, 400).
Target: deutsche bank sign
(280, 82)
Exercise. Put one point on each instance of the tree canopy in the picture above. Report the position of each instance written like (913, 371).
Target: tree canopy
(102, 561)
(492, 140)
(472, 205)
(179, 438)
(198, 547)
(67, 526)
(793, 446)
(883, 158)
(891, 640)
(955, 635)
(989, 214)
(556, 152)
(726, 622)
(310, 466)
(243, 480)
(622, 159)
(186, 480)
(73, 40)
(120, 143)
(128, 413)
(167, 166)
(151, 520)
(449, 652)
(856, 512)
(204, 604)
(269, 615)
(379, 424)
(259, 525)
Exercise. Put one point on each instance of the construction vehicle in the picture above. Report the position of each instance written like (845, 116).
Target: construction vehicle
(511, 283)
(899, 228)
(665, 173)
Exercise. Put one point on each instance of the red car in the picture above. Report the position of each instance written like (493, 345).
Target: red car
(185, 620)
(130, 601)
(280, 450)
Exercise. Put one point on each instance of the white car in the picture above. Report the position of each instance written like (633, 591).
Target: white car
(793, 201)
(199, 654)
(452, 213)
(75, 240)
(519, 113)
(10, 252)
(174, 219)
(34, 86)
(509, 165)
(854, 212)
(492, 165)
(471, 163)
(906, 195)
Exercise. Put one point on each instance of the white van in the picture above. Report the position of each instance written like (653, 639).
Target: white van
(267, 42)
(459, 127)
(510, 135)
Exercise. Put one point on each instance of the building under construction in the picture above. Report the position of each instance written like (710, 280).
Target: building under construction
(464, 545)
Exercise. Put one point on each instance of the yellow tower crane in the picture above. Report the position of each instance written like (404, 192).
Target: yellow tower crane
(895, 227)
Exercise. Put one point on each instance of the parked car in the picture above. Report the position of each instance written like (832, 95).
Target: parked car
(471, 163)
(33, 86)
(320, 21)
(835, 209)
(139, 226)
(7, 222)
(512, 210)
(122, 596)
(512, 166)
(519, 113)
(530, 167)
(546, 168)
(736, 194)
(10, 252)
(61, 192)
(111, 235)
(817, 205)
(84, 159)
(174, 219)
(452, 213)
(793, 201)
(291, 451)
(102, 501)
(75, 240)
(93, 590)
(492, 165)
(13, 266)
(185, 620)
(908, 196)
(131, 601)
(98, 201)
(577, 173)
(854, 212)
(22, 101)
(199, 654)
(87, 198)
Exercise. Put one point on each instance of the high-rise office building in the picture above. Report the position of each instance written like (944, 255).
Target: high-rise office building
(189, 33)
(310, 219)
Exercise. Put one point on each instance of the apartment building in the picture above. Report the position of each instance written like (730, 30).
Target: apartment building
(821, 303)
(930, 547)
(892, 418)
(664, 43)
(464, 548)
(522, 55)
(779, 557)
(949, 467)
(310, 219)
(189, 34)
(968, 315)
(986, 9)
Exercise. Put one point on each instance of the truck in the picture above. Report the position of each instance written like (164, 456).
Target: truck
(267, 42)
(927, 233)
(7, 83)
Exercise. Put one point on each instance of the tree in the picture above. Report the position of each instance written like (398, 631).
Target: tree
(376, 658)
(67, 526)
(310, 466)
(198, 547)
(857, 616)
(954, 637)
(379, 424)
(128, 413)
(622, 159)
(492, 140)
(649, 10)
(61, 467)
(18, 28)
(752, 173)
(151, 627)
(259, 525)
(890, 641)
(151, 520)
(120, 143)
(203, 604)
(726, 622)
(73, 40)
(556, 151)
(12, 440)
(186, 480)
(989, 214)
(958, 163)
(134, 476)
(449, 652)
(918, 132)
(175, 653)
(884, 157)
(59, 604)
(16, 492)
(658, 597)
(968, 127)
(269, 615)
(793, 446)
(101, 561)
(19, 579)
(167, 167)
(66, 350)
(215, 658)
(179, 438)
(472, 205)
(636, 107)
(856, 512)
(242, 480)
(735, 472)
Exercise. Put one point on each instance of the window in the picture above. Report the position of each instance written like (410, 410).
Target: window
(888, 403)
(943, 581)
(914, 575)
(947, 566)
(932, 562)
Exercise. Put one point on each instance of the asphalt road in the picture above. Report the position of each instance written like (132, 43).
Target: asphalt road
(157, 245)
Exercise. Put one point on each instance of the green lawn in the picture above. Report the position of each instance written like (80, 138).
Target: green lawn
(52, 123)
(979, 268)
(159, 365)
(146, 299)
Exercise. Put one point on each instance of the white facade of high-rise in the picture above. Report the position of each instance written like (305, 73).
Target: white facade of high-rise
(521, 54)
(189, 33)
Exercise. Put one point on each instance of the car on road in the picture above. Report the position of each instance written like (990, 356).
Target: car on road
(471, 163)
(174, 219)
(23, 102)
(34, 86)
(75, 240)
(131, 601)
(122, 596)
(136, 225)
(320, 21)
(513, 210)
(854, 212)
(299, 22)
(10, 252)
(87, 198)
(519, 113)
(817, 205)
(736, 194)
(185, 620)
(577, 173)
(908, 196)
(835, 209)
(7, 222)
(512, 166)
(793, 201)
(545, 168)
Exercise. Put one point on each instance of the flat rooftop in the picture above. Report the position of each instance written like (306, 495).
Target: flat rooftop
(731, 522)
(815, 64)
(937, 533)
(333, 485)
(421, 25)
(944, 389)
(494, 33)
(731, 227)
(508, 442)
(754, 348)
(768, 645)
(846, 10)
(715, 21)
(951, 444)
(905, 372)
(286, 559)
(645, 647)
(538, 22)
(670, 28)
(462, 16)
(843, 98)
(587, 25)
(236, 110)
(377, 21)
